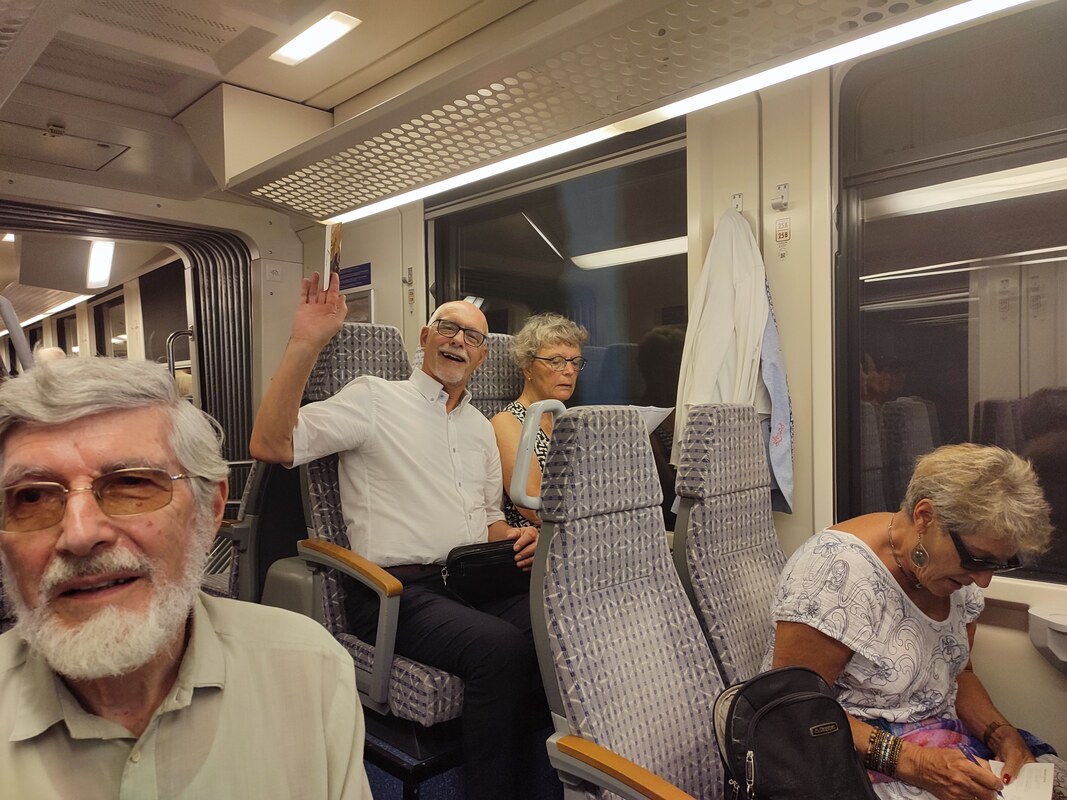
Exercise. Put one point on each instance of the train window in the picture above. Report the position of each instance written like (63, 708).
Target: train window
(35, 336)
(163, 311)
(555, 248)
(955, 264)
(109, 324)
(67, 333)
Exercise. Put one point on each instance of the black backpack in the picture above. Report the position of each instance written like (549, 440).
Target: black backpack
(783, 736)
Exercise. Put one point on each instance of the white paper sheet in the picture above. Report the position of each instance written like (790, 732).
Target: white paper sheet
(1034, 781)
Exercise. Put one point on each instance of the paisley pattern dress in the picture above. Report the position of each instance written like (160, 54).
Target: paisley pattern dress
(511, 514)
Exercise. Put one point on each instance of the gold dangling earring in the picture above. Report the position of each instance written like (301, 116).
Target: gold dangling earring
(919, 554)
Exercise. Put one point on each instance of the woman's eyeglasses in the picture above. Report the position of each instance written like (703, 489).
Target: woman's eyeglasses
(969, 561)
(449, 329)
(36, 505)
(559, 363)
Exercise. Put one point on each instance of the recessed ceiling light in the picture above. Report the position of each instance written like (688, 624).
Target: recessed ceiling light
(99, 272)
(318, 37)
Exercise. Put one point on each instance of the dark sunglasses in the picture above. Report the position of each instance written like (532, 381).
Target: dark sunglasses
(971, 562)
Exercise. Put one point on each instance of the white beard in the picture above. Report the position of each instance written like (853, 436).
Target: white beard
(113, 641)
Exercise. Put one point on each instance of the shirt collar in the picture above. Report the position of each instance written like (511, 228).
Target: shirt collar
(430, 388)
(45, 700)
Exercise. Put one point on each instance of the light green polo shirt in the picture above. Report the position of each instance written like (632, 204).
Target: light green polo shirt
(264, 706)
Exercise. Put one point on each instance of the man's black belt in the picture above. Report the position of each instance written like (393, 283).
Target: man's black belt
(404, 572)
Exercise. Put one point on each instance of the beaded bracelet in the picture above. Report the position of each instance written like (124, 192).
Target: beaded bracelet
(883, 752)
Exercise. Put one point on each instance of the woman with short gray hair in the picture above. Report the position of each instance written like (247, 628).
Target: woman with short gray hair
(885, 606)
(548, 350)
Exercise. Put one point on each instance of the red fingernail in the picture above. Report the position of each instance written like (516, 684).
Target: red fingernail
(1006, 778)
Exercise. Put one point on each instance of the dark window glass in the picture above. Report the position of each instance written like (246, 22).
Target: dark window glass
(163, 311)
(536, 251)
(521, 255)
(955, 258)
(109, 321)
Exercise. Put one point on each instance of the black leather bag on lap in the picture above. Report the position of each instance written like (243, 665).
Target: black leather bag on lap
(783, 736)
(484, 571)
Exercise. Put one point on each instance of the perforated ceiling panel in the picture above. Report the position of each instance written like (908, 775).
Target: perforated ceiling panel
(165, 22)
(679, 47)
(70, 59)
(14, 14)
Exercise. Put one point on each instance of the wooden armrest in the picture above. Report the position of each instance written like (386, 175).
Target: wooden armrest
(375, 575)
(621, 769)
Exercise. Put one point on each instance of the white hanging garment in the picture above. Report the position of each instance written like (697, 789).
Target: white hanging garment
(721, 357)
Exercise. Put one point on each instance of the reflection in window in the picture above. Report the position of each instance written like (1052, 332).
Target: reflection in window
(954, 287)
(605, 247)
(522, 254)
(67, 333)
(109, 320)
(967, 348)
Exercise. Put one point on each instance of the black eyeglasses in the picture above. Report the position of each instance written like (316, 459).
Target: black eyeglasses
(449, 329)
(969, 561)
(36, 505)
(559, 363)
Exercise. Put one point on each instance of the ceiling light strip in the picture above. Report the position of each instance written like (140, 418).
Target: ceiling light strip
(865, 45)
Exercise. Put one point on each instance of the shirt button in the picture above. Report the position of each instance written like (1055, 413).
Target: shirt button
(135, 756)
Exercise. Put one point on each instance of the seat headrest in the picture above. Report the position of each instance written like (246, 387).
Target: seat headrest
(600, 461)
(722, 451)
(498, 378)
(358, 349)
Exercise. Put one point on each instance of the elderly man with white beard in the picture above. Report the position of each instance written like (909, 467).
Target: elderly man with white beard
(120, 679)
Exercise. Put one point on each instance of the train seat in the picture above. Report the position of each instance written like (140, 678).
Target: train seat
(222, 577)
(628, 673)
(498, 380)
(725, 546)
(402, 698)
(269, 524)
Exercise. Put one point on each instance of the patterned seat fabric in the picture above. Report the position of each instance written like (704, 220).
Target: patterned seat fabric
(416, 692)
(227, 582)
(498, 380)
(634, 670)
(731, 550)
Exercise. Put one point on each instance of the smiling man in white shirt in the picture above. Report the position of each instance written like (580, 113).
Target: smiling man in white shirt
(419, 474)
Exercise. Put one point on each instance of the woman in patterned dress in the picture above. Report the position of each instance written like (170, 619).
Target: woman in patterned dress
(884, 608)
(548, 350)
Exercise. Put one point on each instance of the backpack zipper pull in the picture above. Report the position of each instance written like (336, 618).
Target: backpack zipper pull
(750, 774)
(736, 787)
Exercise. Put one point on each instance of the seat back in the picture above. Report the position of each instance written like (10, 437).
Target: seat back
(622, 656)
(498, 380)
(358, 349)
(725, 546)
(269, 524)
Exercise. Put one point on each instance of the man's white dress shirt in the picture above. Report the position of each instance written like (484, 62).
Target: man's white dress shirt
(415, 480)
